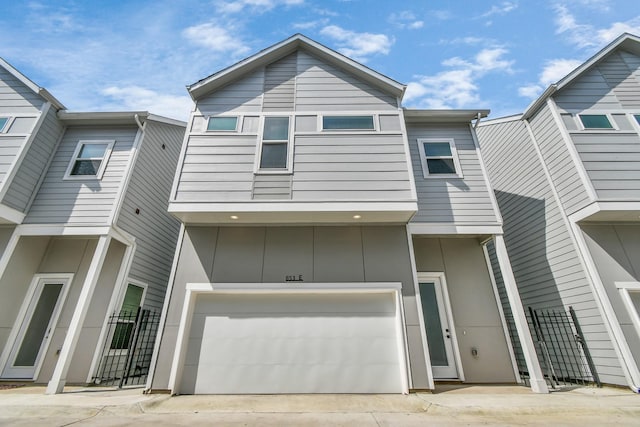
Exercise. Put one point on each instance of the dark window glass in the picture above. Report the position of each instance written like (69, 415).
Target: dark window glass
(86, 167)
(637, 116)
(595, 121)
(274, 156)
(347, 122)
(437, 149)
(276, 129)
(222, 123)
(441, 166)
(92, 151)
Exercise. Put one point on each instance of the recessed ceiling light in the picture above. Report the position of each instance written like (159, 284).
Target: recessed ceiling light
(234, 217)
(357, 216)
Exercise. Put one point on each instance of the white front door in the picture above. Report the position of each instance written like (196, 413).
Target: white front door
(43, 305)
(438, 329)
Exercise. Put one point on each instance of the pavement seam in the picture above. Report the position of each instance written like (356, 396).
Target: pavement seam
(87, 418)
(373, 415)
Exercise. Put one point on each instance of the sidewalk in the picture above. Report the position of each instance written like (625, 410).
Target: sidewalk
(449, 406)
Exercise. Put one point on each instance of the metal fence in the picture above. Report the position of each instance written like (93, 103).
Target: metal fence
(127, 349)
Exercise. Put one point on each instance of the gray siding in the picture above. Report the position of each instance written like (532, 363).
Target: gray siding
(82, 202)
(9, 149)
(243, 95)
(22, 187)
(545, 262)
(148, 191)
(451, 200)
(558, 160)
(279, 84)
(319, 254)
(15, 97)
(323, 87)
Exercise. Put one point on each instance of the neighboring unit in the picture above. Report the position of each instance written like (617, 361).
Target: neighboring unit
(567, 178)
(84, 233)
(307, 261)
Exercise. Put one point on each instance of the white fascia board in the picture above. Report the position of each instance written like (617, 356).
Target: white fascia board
(31, 85)
(294, 287)
(10, 215)
(417, 228)
(67, 230)
(499, 120)
(315, 206)
(166, 120)
(609, 206)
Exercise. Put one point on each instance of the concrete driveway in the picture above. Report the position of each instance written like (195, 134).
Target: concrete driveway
(449, 406)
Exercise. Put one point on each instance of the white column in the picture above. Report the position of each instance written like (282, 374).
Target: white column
(59, 378)
(536, 379)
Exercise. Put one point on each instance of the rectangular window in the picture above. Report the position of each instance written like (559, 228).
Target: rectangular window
(347, 123)
(274, 151)
(595, 121)
(127, 317)
(3, 123)
(439, 158)
(89, 159)
(229, 124)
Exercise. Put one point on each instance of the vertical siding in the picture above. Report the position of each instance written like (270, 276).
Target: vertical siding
(279, 84)
(148, 190)
(451, 200)
(243, 95)
(24, 183)
(15, 97)
(545, 262)
(571, 190)
(323, 87)
(82, 202)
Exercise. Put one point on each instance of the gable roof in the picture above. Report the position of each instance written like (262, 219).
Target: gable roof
(285, 47)
(31, 85)
(626, 41)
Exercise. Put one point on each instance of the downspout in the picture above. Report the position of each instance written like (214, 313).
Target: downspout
(478, 117)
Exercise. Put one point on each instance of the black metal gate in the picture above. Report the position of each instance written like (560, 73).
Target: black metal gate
(127, 349)
(562, 351)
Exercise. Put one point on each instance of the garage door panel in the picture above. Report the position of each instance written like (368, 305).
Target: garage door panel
(293, 343)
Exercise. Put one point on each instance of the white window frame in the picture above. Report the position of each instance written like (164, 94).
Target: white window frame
(596, 113)
(374, 118)
(625, 288)
(4, 128)
(268, 171)
(103, 164)
(454, 156)
(236, 130)
(123, 292)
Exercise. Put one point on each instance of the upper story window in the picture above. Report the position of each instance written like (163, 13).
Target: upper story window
(439, 158)
(595, 121)
(274, 147)
(637, 117)
(347, 123)
(3, 123)
(89, 159)
(228, 124)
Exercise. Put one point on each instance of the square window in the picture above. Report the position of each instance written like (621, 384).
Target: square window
(347, 123)
(595, 121)
(439, 158)
(3, 123)
(276, 129)
(89, 159)
(229, 124)
(274, 147)
(274, 156)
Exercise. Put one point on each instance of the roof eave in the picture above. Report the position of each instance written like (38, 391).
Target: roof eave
(31, 85)
(443, 116)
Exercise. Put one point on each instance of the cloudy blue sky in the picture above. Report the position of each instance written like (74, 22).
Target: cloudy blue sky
(140, 54)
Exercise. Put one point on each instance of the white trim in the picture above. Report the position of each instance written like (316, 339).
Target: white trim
(10, 214)
(7, 124)
(597, 207)
(182, 156)
(485, 174)
(402, 343)
(634, 122)
(454, 157)
(7, 253)
(503, 319)
(634, 314)
(536, 378)
(577, 117)
(439, 278)
(418, 228)
(124, 183)
(38, 279)
(236, 130)
(103, 160)
(407, 152)
(374, 122)
(31, 85)
(165, 308)
(194, 289)
(288, 169)
(59, 376)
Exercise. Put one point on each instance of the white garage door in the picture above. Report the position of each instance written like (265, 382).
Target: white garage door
(293, 343)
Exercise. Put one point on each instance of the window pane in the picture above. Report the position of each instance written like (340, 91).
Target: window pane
(347, 122)
(276, 129)
(122, 335)
(595, 121)
(92, 151)
(86, 167)
(132, 299)
(274, 156)
(637, 116)
(431, 315)
(437, 149)
(3, 121)
(437, 166)
(222, 123)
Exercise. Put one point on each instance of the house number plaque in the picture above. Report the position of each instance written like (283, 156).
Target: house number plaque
(293, 278)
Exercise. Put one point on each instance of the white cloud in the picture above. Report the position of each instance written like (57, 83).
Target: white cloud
(553, 71)
(358, 46)
(255, 6)
(310, 24)
(502, 9)
(139, 98)
(457, 88)
(406, 19)
(215, 38)
(586, 36)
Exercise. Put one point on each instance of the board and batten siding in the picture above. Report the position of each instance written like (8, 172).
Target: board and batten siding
(31, 169)
(147, 191)
(545, 262)
(451, 200)
(16, 97)
(558, 160)
(82, 201)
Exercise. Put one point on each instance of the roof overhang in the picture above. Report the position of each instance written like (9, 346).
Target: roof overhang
(443, 116)
(284, 48)
(114, 118)
(31, 85)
